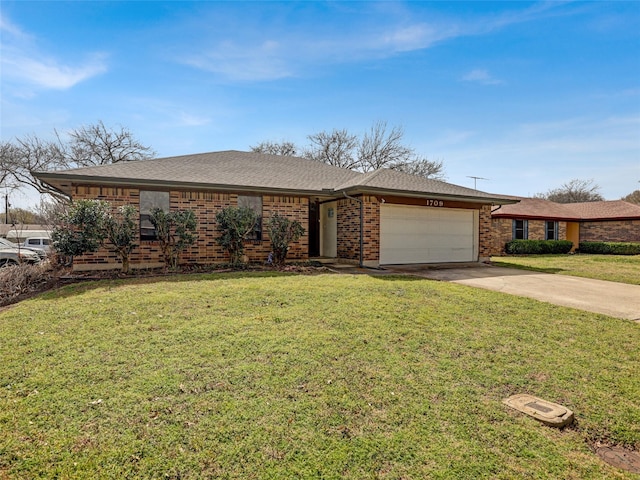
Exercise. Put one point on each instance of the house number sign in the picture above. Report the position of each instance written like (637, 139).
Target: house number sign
(435, 203)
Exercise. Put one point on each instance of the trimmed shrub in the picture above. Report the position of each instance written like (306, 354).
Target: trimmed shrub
(282, 232)
(176, 230)
(538, 247)
(610, 248)
(234, 224)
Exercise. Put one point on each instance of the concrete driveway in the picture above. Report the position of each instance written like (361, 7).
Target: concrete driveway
(610, 298)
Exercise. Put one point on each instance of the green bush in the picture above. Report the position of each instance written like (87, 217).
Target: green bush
(176, 230)
(538, 247)
(234, 224)
(282, 232)
(610, 248)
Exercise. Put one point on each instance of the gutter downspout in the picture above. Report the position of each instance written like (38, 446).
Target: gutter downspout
(361, 265)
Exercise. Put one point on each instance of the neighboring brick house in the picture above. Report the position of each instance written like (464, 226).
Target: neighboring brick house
(538, 219)
(380, 217)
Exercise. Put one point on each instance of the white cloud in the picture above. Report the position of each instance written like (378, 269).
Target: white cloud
(249, 52)
(242, 62)
(22, 63)
(481, 76)
(190, 120)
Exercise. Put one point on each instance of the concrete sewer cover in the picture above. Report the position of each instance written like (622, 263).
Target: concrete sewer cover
(549, 413)
(620, 458)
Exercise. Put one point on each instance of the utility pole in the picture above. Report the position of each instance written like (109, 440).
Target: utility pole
(6, 209)
(475, 180)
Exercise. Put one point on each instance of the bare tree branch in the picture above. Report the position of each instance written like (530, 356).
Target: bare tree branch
(574, 191)
(380, 149)
(423, 167)
(87, 146)
(96, 145)
(276, 148)
(32, 154)
(336, 148)
(633, 197)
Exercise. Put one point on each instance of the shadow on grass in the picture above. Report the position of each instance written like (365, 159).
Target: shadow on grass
(525, 267)
(398, 277)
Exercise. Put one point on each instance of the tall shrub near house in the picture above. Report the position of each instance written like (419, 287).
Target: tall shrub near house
(121, 231)
(81, 229)
(175, 230)
(282, 232)
(88, 225)
(234, 224)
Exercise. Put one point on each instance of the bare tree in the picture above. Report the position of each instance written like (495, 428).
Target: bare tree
(276, 148)
(337, 148)
(96, 145)
(423, 167)
(633, 197)
(5, 156)
(574, 191)
(49, 212)
(33, 154)
(87, 146)
(379, 148)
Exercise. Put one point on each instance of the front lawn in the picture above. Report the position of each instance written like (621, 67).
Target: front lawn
(615, 268)
(328, 376)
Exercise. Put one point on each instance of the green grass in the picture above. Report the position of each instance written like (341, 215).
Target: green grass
(615, 268)
(271, 376)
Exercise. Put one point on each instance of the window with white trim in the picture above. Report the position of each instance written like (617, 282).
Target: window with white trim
(551, 230)
(520, 229)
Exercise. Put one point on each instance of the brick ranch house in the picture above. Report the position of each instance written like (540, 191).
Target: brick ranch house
(538, 219)
(376, 218)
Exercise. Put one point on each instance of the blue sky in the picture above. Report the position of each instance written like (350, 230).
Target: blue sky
(526, 94)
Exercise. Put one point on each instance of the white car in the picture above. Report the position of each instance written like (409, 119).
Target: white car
(4, 244)
(38, 243)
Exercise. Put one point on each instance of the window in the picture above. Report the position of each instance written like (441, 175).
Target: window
(551, 230)
(520, 229)
(253, 202)
(148, 202)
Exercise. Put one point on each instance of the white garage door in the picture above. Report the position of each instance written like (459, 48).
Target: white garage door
(413, 234)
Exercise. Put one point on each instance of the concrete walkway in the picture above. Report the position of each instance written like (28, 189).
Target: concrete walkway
(610, 298)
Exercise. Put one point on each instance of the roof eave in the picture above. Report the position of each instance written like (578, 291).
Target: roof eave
(562, 219)
(555, 218)
(436, 196)
(55, 180)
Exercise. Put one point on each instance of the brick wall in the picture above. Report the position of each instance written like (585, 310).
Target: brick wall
(348, 219)
(205, 205)
(610, 231)
(485, 242)
(602, 231)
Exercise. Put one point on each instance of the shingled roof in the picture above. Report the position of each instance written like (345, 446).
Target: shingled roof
(247, 171)
(538, 208)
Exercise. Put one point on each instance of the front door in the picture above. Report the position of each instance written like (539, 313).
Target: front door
(573, 234)
(329, 230)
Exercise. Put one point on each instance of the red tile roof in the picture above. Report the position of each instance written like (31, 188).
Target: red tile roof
(538, 208)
